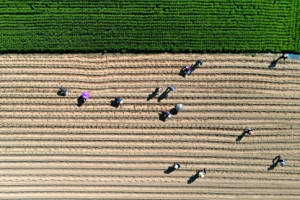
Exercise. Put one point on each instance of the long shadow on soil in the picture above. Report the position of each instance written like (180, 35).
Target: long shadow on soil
(169, 170)
(161, 117)
(274, 164)
(182, 72)
(80, 101)
(59, 93)
(273, 64)
(114, 104)
(173, 111)
(164, 95)
(238, 139)
(151, 96)
(194, 67)
(192, 179)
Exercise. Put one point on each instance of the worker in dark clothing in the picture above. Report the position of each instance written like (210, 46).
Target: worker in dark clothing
(281, 161)
(199, 62)
(63, 91)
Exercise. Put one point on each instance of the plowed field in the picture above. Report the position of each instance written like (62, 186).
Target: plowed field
(53, 149)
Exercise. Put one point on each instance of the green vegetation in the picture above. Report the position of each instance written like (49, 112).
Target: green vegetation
(149, 26)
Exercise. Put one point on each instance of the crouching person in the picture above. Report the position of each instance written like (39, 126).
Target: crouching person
(176, 166)
(166, 114)
(118, 100)
(201, 174)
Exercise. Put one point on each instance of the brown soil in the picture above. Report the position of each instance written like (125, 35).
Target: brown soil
(52, 149)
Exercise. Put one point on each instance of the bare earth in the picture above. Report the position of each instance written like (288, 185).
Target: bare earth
(52, 149)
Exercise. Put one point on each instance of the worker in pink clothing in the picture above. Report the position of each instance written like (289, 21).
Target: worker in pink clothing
(118, 100)
(188, 69)
(158, 89)
(166, 114)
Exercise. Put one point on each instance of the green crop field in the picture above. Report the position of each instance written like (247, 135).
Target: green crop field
(149, 26)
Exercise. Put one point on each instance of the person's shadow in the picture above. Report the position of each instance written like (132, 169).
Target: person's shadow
(275, 163)
(194, 67)
(193, 178)
(240, 137)
(182, 72)
(161, 117)
(151, 96)
(80, 101)
(164, 95)
(114, 104)
(60, 93)
(169, 170)
(173, 111)
(273, 63)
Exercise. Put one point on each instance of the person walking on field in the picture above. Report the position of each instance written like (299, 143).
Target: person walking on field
(249, 132)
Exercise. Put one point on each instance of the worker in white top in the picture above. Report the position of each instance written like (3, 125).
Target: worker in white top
(249, 132)
(176, 166)
(158, 89)
(201, 174)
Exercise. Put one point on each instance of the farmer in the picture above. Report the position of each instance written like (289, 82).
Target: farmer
(201, 174)
(199, 62)
(188, 69)
(158, 89)
(285, 56)
(176, 166)
(166, 114)
(281, 160)
(249, 132)
(171, 88)
(63, 91)
(118, 100)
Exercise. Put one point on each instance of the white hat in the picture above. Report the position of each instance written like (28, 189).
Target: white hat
(201, 174)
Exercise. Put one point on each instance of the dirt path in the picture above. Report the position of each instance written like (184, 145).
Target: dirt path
(52, 149)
